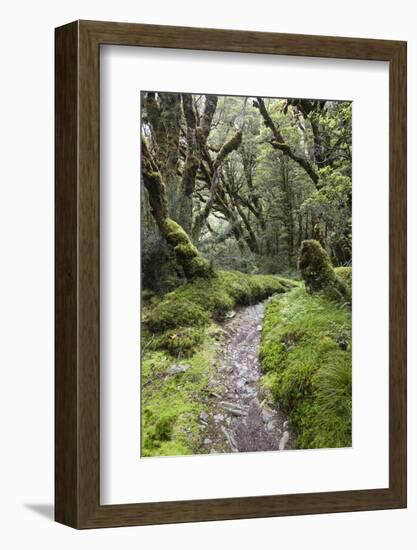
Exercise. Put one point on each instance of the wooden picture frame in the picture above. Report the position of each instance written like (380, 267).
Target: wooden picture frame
(77, 374)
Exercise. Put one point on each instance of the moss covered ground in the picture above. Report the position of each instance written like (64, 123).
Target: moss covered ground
(306, 357)
(180, 329)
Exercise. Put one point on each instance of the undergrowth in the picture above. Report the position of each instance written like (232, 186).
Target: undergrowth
(171, 403)
(174, 323)
(306, 356)
(180, 329)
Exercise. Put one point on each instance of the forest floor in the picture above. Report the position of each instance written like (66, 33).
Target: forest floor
(242, 418)
(243, 363)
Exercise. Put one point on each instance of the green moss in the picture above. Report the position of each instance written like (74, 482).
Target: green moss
(186, 253)
(344, 273)
(196, 302)
(228, 147)
(179, 328)
(180, 342)
(171, 313)
(199, 267)
(171, 403)
(318, 273)
(306, 356)
(315, 266)
(175, 234)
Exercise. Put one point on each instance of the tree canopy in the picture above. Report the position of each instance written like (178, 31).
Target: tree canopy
(245, 180)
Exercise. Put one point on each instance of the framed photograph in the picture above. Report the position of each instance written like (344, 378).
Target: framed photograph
(230, 274)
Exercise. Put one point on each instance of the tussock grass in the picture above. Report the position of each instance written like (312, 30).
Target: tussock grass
(306, 356)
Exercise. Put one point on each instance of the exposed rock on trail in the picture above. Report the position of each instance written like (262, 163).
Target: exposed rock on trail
(241, 418)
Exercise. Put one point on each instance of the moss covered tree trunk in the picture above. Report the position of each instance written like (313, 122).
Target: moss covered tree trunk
(226, 149)
(318, 273)
(198, 130)
(186, 254)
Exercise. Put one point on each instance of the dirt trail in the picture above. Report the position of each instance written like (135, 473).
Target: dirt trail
(241, 419)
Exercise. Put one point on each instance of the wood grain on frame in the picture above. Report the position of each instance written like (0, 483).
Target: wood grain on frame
(77, 370)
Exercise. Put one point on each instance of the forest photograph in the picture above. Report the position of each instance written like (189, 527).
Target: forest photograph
(246, 273)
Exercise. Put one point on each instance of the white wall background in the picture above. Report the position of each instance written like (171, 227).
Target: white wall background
(26, 274)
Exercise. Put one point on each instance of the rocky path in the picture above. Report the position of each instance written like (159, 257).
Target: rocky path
(241, 419)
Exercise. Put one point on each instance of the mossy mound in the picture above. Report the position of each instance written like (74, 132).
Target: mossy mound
(180, 342)
(318, 273)
(197, 302)
(171, 403)
(306, 356)
(171, 313)
(315, 266)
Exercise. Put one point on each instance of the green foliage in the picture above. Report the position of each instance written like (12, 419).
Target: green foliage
(330, 205)
(266, 202)
(194, 303)
(181, 342)
(171, 403)
(306, 356)
(180, 325)
(264, 205)
(172, 313)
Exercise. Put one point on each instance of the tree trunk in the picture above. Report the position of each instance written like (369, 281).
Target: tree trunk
(278, 142)
(186, 254)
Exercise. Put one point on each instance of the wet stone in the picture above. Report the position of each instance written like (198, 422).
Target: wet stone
(267, 414)
(284, 440)
(175, 369)
(243, 418)
(230, 314)
(271, 425)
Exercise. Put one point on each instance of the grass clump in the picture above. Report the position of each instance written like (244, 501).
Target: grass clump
(306, 356)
